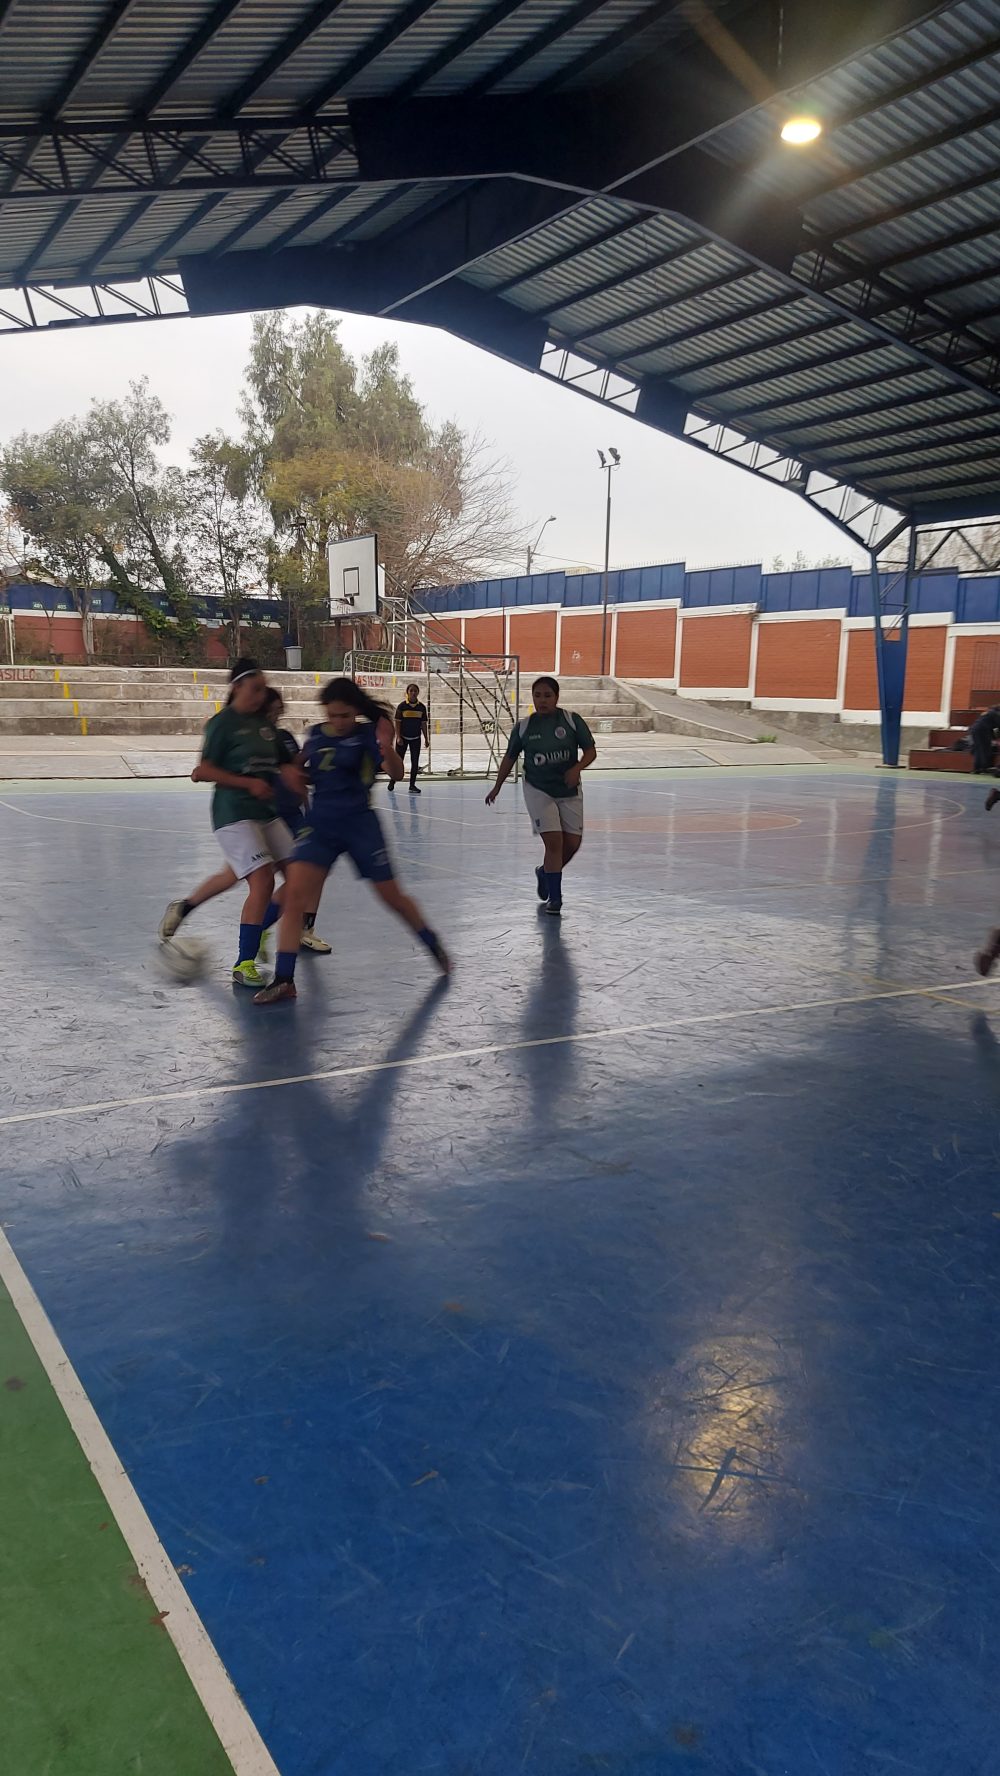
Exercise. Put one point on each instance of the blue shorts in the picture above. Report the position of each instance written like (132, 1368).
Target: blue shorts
(359, 835)
(293, 815)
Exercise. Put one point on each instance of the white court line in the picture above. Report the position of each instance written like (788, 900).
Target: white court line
(239, 1737)
(446, 1056)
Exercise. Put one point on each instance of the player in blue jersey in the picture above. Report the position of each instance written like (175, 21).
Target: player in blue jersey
(340, 761)
(293, 810)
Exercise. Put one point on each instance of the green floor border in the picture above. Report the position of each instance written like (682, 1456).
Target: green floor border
(92, 1683)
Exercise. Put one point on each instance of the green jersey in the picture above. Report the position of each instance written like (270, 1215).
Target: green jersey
(550, 744)
(247, 745)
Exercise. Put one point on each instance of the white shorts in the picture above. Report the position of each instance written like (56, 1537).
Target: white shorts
(248, 845)
(554, 813)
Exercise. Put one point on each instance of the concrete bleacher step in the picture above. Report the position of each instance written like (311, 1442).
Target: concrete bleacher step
(179, 700)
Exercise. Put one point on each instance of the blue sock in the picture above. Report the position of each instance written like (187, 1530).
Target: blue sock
(284, 968)
(554, 881)
(249, 941)
(428, 937)
(272, 916)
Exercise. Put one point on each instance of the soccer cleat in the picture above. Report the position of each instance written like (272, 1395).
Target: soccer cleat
(992, 799)
(263, 951)
(440, 955)
(541, 885)
(246, 974)
(172, 920)
(276, 993)
(987, 956)
(555, 908)
(318, 945)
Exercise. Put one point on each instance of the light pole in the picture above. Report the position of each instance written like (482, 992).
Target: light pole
(533, 547)
(607, 468)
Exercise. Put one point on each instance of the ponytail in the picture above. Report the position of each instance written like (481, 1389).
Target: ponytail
(347, 690)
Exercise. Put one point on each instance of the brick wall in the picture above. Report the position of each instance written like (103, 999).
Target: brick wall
(443, 632)
(798, 660)
(533, 636)
(484, 635)
(961, 687)
(925, 668)
(715, 653)
(861, 684)
(580, 644)
(647, 644)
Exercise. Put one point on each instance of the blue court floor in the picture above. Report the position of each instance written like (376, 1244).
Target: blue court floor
(589, 1366)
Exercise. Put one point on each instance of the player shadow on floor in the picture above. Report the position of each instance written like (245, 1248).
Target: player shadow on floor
(549, 1010)
(296, 1160)
(868, 914)
(986, 1045)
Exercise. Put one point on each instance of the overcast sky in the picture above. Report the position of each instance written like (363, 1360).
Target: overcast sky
(671, 502)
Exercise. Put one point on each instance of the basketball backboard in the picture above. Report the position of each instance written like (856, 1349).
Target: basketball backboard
(355, 577)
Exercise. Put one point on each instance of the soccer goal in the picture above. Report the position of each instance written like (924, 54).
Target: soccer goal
(472, 700)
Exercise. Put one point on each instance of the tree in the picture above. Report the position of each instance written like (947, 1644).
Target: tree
(48, 480)
(226, 535)
(100, 509)
(142, 505)
(341, 450)
(800, 562)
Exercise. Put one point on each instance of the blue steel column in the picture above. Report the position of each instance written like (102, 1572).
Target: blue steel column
(890, 655)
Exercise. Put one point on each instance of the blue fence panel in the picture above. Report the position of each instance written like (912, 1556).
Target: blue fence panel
(50, 599)
(584, 589)
(979, 599)
(746, 585)
(833, 590)
(935, 591)
(776, 591)
(723, 585)
(817, 588)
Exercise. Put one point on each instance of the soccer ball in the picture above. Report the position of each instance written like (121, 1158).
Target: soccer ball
(183, 958)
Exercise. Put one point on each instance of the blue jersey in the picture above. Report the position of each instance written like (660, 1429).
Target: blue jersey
(341, 771)
(291, 808)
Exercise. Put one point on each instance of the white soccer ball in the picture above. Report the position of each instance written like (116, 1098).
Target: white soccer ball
(183, 958)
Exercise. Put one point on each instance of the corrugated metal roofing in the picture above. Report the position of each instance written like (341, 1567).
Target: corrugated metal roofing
(876, 357)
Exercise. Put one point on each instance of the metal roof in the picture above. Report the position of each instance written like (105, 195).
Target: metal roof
(226, 148)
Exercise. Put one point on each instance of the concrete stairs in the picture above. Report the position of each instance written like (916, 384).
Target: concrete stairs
(147, 700)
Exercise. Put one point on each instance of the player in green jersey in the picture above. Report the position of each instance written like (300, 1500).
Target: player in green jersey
(240, 757)
(556, 746)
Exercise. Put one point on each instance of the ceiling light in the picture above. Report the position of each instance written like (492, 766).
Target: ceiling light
(801, 130)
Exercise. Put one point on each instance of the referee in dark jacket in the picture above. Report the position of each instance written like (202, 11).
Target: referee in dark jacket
(411, 732)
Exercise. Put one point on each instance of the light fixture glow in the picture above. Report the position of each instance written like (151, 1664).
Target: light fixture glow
(801, 130)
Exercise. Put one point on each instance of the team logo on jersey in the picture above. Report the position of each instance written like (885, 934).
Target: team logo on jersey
(560, 733)
(266, 733)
